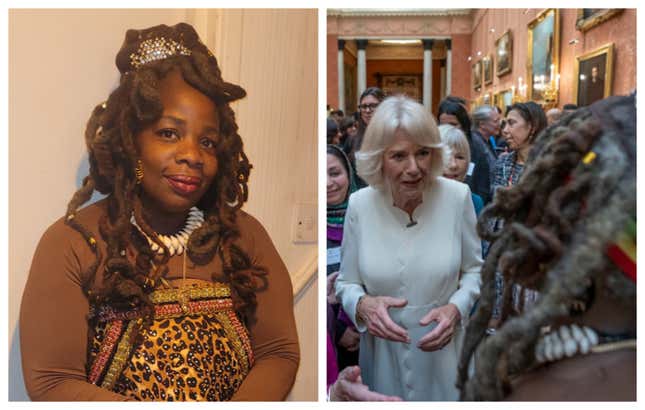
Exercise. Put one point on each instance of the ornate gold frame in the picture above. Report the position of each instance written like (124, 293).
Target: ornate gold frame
(478, 66)
(477, 102)
(555, 56)
(508, 69)
(489, 59)
(583, 24)
(498, 101)
(609, 68)
(487, 96)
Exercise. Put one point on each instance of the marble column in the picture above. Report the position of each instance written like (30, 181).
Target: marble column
(427, 72)
(361, 73)
(341, 76)
(448, 66)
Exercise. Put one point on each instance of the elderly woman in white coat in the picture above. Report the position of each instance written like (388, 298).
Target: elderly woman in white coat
(410, 258)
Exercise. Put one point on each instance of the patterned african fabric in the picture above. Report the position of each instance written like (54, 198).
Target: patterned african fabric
(195, 349)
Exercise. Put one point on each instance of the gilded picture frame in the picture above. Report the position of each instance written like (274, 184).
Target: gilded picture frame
(594, 75)
(504, 54)
(405, 84)
(588, 18)
(477, 102)
(477, 75)
(487, 67)
(503, 99)
(543, 53)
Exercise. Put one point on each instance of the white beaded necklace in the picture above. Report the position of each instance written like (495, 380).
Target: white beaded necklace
(175, 243)
(571, 340)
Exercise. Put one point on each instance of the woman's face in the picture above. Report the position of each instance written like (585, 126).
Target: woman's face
(405, 167)
(517, 131)
(457, 165)
(335, 139)
(369, 104)
(337, 181)
(449, 119)
(352, 130)
(178, 151)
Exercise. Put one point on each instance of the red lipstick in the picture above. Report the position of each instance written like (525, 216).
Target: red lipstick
(184, 184)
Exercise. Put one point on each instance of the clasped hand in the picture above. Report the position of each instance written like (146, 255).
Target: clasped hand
(447, 317)
(374, 312)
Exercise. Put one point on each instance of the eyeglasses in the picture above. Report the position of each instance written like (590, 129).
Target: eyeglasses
(366, 107)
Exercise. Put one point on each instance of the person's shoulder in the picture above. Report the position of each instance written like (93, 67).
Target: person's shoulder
(478, 138)
(247, 223)
(88, 217)
(363, 196)
(451, 186)
(60, 238)
(477, 147)
(449, 191)
(91, 214)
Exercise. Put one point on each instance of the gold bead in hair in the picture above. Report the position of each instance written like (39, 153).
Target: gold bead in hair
(588, 159)
(138, 171)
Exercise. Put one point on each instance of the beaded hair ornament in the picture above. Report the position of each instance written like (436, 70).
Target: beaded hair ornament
(157, 48)
(142, 47)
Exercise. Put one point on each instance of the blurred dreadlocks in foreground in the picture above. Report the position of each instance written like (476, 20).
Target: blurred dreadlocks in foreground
(569, 232)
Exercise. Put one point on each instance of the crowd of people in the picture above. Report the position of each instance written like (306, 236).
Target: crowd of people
(471, 255)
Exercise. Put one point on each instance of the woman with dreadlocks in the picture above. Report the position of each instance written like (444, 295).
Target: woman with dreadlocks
(164, 290)
(569, 232)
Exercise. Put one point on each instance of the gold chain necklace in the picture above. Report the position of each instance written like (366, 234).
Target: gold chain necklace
(184, 292)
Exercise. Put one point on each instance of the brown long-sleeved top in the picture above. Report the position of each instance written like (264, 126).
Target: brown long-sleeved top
(53, 315)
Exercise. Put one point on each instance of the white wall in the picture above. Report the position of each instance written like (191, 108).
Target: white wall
(61, 63)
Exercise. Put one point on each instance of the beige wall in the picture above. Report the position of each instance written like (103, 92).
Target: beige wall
(61, 63)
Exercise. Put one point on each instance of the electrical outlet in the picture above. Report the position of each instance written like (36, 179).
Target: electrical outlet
(305, 223)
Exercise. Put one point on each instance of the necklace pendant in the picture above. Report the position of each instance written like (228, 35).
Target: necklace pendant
(184, 299)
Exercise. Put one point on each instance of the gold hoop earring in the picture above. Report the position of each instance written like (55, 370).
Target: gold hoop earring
(138, 171)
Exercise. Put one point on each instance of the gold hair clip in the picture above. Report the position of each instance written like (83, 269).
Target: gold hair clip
(157, 48)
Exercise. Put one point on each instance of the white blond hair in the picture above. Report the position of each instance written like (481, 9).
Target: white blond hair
(454, 139)
(395, 114)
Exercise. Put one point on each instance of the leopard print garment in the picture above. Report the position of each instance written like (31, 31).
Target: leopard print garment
(194, 350)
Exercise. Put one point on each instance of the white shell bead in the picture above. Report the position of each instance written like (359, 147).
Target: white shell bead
(558, 349)
(176, 243)
(577, 332)
(564, 333)
(591, 335)
(570, 347)
(548, 348)
(539, 351)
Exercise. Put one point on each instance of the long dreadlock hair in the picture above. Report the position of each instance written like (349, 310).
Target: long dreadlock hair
(558, 221)
(110, 138)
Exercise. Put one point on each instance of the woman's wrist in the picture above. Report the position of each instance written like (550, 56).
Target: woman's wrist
(359, 304)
